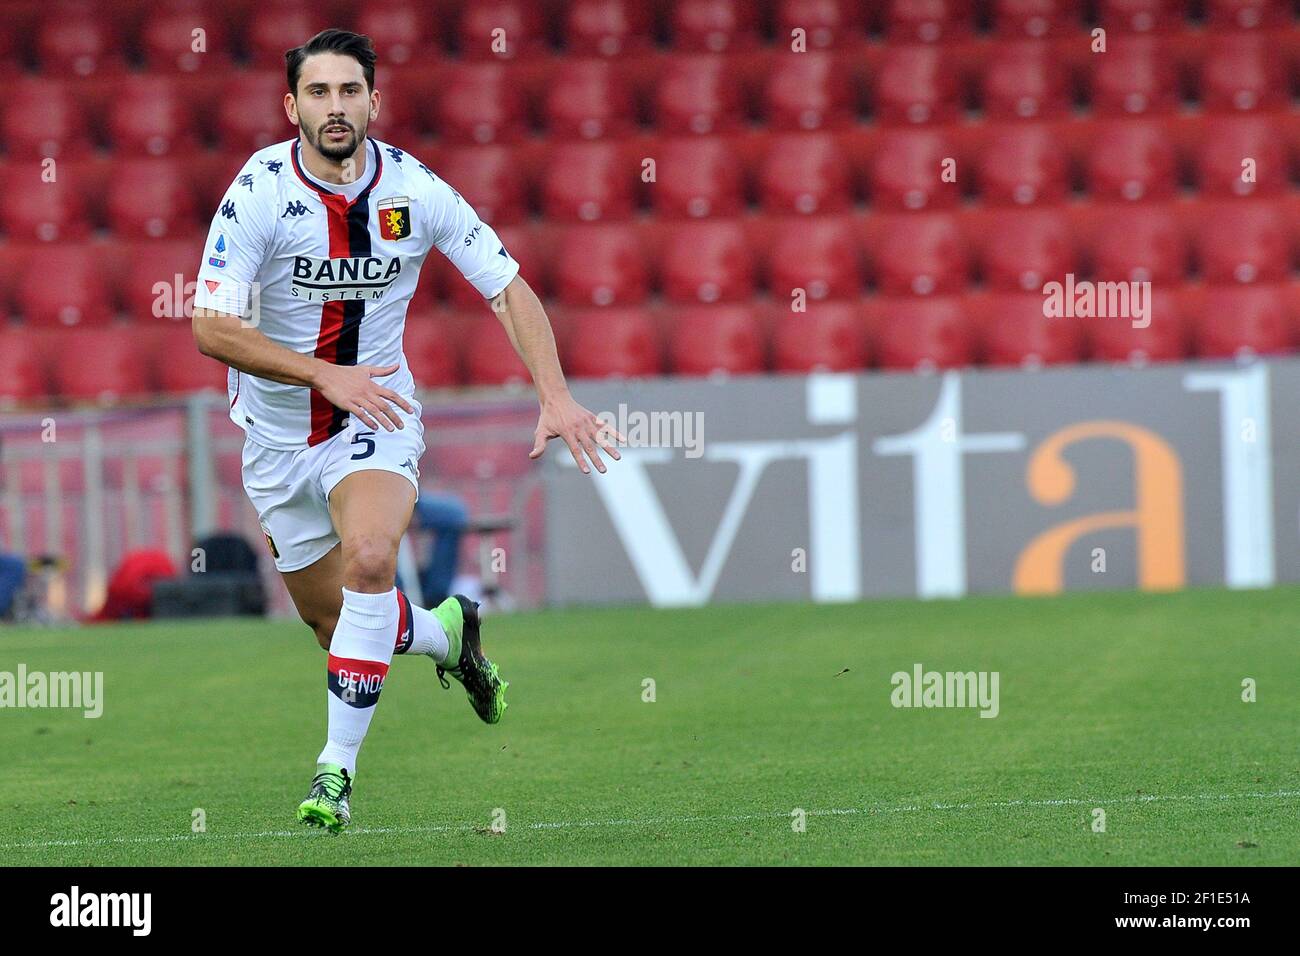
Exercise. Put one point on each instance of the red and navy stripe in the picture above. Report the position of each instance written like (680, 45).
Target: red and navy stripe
(356, 682)
(340, 321)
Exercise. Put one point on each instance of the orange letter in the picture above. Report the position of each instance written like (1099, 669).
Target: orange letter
(1157, 517)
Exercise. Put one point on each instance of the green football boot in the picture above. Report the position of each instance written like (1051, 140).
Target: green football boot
(327, 801)
(478, 675)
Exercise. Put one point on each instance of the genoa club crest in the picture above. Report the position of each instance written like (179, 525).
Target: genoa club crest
(394, 217)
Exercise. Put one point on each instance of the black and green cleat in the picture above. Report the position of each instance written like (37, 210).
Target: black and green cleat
(327, 801)
(478, 675)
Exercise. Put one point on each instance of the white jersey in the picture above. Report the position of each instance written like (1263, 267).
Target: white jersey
(329, 270)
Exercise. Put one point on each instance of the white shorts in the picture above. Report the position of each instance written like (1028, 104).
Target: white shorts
(291, 489)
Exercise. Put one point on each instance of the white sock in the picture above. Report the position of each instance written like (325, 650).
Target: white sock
(419, 631)
(359, 656)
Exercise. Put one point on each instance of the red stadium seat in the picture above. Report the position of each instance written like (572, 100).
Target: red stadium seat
(100, 365)
(1243, 243)
(586, 181)
(148, 118)
(697, 177)
(70, 287)
(1014, 331)
(1140, 16)
(1243, 71)
(431, 344)
(154, 273)
(907, 172)
(716, 339)
(923, 334)
(1242, 322)
(24, 375)
(607, 27)
(927, 21)
(600, 264)
(73, 40)
(479, 103)
(1036, 18)
(1135, 76)
(697, 94)
(1247, 14)
(805, 173)
(271, 24)
(820, 255)
(489, 178)
(829, 336)
(826, 23)
(707, 261)
(588, 98)
(151, 199)
(1137, 244)
(184, 36)
(519, 23)
(714, 26)
(807, 91)
(1025, 249)
(1131, 160)
(399, 30)
(915, 84)
(1024, 166)
(1242, 156)
(1165, 338)
(404, 106)
(41, 118)
(179, 368)
(50, 212)
(1025, 80)
(490, 359)
(250, 111)
(921, 255)
(606, 343)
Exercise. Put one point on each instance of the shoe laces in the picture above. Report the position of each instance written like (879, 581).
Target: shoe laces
(328, 784)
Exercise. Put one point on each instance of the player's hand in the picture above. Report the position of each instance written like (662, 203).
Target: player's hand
(581, 430)
(351, 388)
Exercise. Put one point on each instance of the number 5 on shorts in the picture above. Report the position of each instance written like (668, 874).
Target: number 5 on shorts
(363, 438)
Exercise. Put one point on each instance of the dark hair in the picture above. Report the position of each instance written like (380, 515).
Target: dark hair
(333, 40)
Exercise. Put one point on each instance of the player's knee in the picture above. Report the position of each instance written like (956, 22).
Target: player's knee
(370, 563)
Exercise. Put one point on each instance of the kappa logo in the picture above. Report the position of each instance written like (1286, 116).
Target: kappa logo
(273, 165)
(246, 180)
(296, 209)
(228, 210)
(410, 466)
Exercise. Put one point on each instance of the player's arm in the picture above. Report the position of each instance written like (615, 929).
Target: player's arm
(230, 339)
(525, 322)
(474, 248)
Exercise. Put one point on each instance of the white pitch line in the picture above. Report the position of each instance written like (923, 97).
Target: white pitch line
(654, 821)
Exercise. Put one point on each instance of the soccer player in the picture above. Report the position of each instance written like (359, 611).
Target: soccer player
(311, 260)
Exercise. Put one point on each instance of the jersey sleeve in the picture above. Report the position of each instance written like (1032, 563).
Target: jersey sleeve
(236, 246)
(470, 243)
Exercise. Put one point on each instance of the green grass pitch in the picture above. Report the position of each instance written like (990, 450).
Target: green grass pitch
(1131, 703)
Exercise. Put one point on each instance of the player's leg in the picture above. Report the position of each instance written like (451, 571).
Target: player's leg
(370, 510)
(317, 593)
